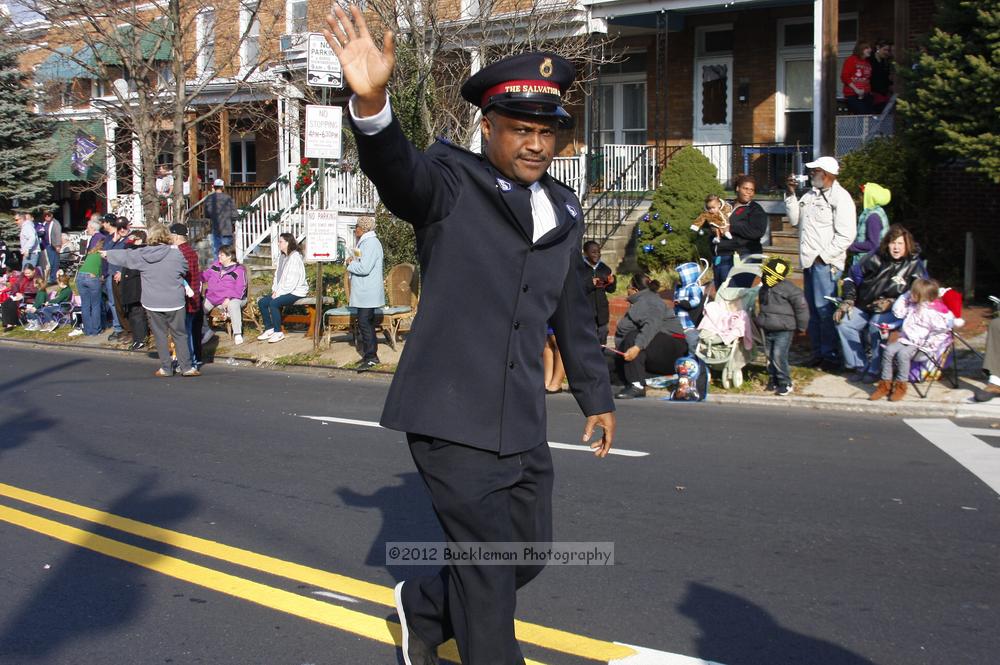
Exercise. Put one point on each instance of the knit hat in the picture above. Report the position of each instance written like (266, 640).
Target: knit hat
(775, 269)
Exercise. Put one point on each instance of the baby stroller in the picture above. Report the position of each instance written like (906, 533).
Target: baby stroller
(726, 332)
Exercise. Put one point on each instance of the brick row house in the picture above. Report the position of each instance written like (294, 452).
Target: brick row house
(746, 81)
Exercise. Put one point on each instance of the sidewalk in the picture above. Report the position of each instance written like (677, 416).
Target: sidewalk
(817, 390)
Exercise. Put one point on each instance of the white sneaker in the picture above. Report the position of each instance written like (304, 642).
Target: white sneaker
(76, 332)
(264, 336)
(31, 326)
(50, 326)
(276, 337)
(237, 339)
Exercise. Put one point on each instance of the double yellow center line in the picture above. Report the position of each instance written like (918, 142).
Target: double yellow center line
(359, 623)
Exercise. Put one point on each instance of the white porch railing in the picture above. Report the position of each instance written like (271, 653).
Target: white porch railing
(277, 210)
(128, 206)
(571, 171)
(619, 158)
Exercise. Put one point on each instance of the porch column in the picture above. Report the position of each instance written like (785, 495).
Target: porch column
(476, 141)
(901, 41)
(294, 136)
(137, 167)
(224, 145)
(111, 174)
(826, 14)
(282, 103)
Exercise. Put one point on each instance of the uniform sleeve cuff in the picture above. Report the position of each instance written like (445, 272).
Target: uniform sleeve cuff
(372, 124)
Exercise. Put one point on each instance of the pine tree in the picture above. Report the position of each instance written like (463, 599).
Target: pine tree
(25, 147)
(953, 91)
(663, 239)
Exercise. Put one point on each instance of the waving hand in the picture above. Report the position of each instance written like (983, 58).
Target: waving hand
(366, 68)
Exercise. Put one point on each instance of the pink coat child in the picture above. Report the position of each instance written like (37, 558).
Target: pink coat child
(927, 324)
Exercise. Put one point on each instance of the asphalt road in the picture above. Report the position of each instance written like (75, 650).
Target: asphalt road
(743, 536)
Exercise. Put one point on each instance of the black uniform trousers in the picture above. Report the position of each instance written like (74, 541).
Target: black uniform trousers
(479, 496)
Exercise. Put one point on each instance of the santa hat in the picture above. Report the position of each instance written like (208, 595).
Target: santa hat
(952, 299)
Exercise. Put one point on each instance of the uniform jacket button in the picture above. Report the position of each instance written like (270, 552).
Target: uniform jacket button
(524, 288)
(510, 365)
(517, 324)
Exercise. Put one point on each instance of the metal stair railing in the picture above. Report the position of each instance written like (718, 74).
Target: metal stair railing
(613, 206)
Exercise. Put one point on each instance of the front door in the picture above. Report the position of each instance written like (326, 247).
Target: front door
(713, 112)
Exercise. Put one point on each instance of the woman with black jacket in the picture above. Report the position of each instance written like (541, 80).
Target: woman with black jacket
(868, 293)
(747, 225)
(131, 295)
(649, 337)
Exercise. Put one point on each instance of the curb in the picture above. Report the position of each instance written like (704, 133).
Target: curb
(897, 409)
(221, 361)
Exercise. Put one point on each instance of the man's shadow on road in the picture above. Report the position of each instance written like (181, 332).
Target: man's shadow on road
(735, 631)
(407, 516)
(87, 592)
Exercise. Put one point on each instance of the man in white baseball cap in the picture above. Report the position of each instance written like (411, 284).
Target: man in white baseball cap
(826, 218)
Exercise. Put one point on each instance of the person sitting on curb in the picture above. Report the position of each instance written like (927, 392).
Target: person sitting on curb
(649, 337)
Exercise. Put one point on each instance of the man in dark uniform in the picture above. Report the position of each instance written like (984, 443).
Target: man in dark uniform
(498, 242)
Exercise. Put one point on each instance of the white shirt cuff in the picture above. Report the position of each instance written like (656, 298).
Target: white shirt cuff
(372, 124)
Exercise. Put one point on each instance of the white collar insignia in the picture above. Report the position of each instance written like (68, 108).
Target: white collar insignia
(504, 185)
(572, 211)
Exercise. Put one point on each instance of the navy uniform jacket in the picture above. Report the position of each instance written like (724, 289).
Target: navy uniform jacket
(471, 371)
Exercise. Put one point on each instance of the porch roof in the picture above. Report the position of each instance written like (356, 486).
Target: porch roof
(616, 9)
(67, 62)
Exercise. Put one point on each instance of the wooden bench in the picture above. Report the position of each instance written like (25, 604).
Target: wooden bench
(401, 307)
(309, 318)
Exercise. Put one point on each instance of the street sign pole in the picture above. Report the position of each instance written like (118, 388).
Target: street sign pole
(321, 195)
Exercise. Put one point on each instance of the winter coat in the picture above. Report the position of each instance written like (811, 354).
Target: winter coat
(648, 314)
(221, 209)
(162, 268)
(365, 270)
(290, 277)
(878, 276)
(223, 282)
(925, 325)
(747, 225)
(689, 297)
(873, 223)
(599, 294)
(782, 307)
(827, 224)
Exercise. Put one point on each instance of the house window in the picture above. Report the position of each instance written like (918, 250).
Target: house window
(250, 31)
(206, 41)
(243, 158)
(298, 16)
(621, 112)
(715, 40)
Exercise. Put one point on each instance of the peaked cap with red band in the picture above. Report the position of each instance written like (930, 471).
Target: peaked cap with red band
(530, 84)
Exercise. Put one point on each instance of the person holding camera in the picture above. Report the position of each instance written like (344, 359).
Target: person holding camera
(869, 292)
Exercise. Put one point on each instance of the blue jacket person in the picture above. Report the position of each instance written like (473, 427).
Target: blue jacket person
(498, 243)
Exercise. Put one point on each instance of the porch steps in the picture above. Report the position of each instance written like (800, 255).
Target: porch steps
(785, 244)
(618, 252)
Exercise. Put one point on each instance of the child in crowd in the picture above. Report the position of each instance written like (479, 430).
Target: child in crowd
(20, 290)
(782, 310)
(50, 304)
(926, 323)
(689, 298)
(716, 215)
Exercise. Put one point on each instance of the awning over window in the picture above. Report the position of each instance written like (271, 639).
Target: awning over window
(66, 64)
(80, 151)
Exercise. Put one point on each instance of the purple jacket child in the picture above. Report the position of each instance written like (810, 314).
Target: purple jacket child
(223, 282)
